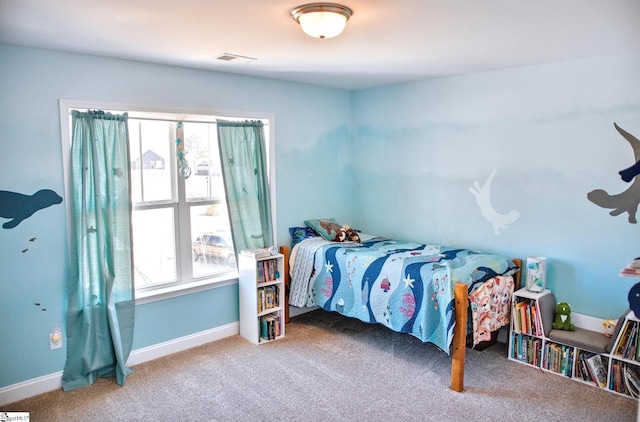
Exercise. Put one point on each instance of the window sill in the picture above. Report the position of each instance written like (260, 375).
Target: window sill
(176, 290)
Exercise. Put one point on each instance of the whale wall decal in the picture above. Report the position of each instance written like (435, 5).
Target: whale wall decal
(18, 207)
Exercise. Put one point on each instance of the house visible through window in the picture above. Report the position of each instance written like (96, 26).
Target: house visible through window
(180, 227)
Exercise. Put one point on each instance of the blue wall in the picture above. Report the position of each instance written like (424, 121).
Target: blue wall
(396, 161)
(312, 128)
(548, 133)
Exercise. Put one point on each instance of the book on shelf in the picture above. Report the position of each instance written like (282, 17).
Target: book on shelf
(632, 381)
(267, 271)
(631, 347)
(256, 253)
(597, 370)
(627, 345)
(270, 327)
(559, 359)
(527, 318)
(583, 369)
(632, 269)
(268, 298)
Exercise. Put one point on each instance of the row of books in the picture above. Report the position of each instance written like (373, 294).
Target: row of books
(625, 379)
(632, 269)
(268, 298)
(559, 359)
(267, 271)
(526, 318)
(628, 346)
(270, 327)
(591, 368)
(526, 349)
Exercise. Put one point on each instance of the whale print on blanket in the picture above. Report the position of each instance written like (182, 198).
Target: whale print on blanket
(405, 286)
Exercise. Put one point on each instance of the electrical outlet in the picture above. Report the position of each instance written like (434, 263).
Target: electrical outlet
(55, 339)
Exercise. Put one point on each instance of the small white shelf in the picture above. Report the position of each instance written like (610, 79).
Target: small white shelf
(255, 274)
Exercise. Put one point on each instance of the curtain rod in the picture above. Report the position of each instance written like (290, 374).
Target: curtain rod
(264, 121)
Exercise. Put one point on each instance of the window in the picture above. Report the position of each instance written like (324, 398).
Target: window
(180, 227)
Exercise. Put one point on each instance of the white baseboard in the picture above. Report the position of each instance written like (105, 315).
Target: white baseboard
(46, 383)
(182, 343)
(29, 388)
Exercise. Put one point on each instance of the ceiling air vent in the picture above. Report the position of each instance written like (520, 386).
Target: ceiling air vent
(228, 57)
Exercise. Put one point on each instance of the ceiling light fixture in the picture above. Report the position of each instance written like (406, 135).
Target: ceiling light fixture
(322, 20)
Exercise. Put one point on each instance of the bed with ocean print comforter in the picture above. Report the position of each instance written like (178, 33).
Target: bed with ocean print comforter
(406, 286)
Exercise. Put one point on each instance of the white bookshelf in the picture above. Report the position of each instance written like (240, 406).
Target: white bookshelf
(262, 300)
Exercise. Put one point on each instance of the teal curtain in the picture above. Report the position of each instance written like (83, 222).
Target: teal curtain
(244, 167)
(101, 292)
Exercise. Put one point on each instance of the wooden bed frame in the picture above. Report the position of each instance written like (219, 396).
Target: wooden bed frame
(461, 297)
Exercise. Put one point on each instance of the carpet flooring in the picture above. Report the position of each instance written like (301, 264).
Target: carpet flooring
(330, 368)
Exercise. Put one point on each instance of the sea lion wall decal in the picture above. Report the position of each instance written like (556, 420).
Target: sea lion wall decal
(628, 200)
(17, 206)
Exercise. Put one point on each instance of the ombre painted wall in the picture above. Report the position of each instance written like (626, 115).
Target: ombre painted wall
(547, 132)
(312, 135)
(396, 161)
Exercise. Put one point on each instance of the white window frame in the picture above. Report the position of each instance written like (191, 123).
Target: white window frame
(171, 113)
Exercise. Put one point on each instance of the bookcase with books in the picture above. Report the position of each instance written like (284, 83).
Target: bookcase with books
(625, 359)
(527, 332)
(625, 353)
(262, 303)
(581, 355)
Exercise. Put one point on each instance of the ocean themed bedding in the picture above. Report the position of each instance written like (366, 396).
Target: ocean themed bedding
(406, 286)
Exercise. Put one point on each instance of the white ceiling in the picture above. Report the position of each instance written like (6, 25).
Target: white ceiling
(385, 42)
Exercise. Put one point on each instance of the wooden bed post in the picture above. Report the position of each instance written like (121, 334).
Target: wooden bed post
(284, 250)
(461, 298)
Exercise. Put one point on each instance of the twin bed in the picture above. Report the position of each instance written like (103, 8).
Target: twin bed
(419, 289)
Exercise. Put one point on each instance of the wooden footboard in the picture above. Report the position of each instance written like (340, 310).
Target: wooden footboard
(459, 346)
(461, 298)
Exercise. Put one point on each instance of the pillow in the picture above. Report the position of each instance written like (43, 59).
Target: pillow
(298, 234)
(328, 228)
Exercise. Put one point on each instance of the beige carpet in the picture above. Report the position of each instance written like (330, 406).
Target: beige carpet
(329, 368)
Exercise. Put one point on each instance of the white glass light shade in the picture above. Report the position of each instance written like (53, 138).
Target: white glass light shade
(322, 20)
(322, 24)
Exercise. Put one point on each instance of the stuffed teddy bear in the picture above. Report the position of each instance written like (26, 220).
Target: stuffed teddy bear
(563, 318)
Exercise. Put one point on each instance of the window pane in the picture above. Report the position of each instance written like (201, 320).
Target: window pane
(156, 141)
(134, 157)
(201, 144)
(154, 247)
(211, 242)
